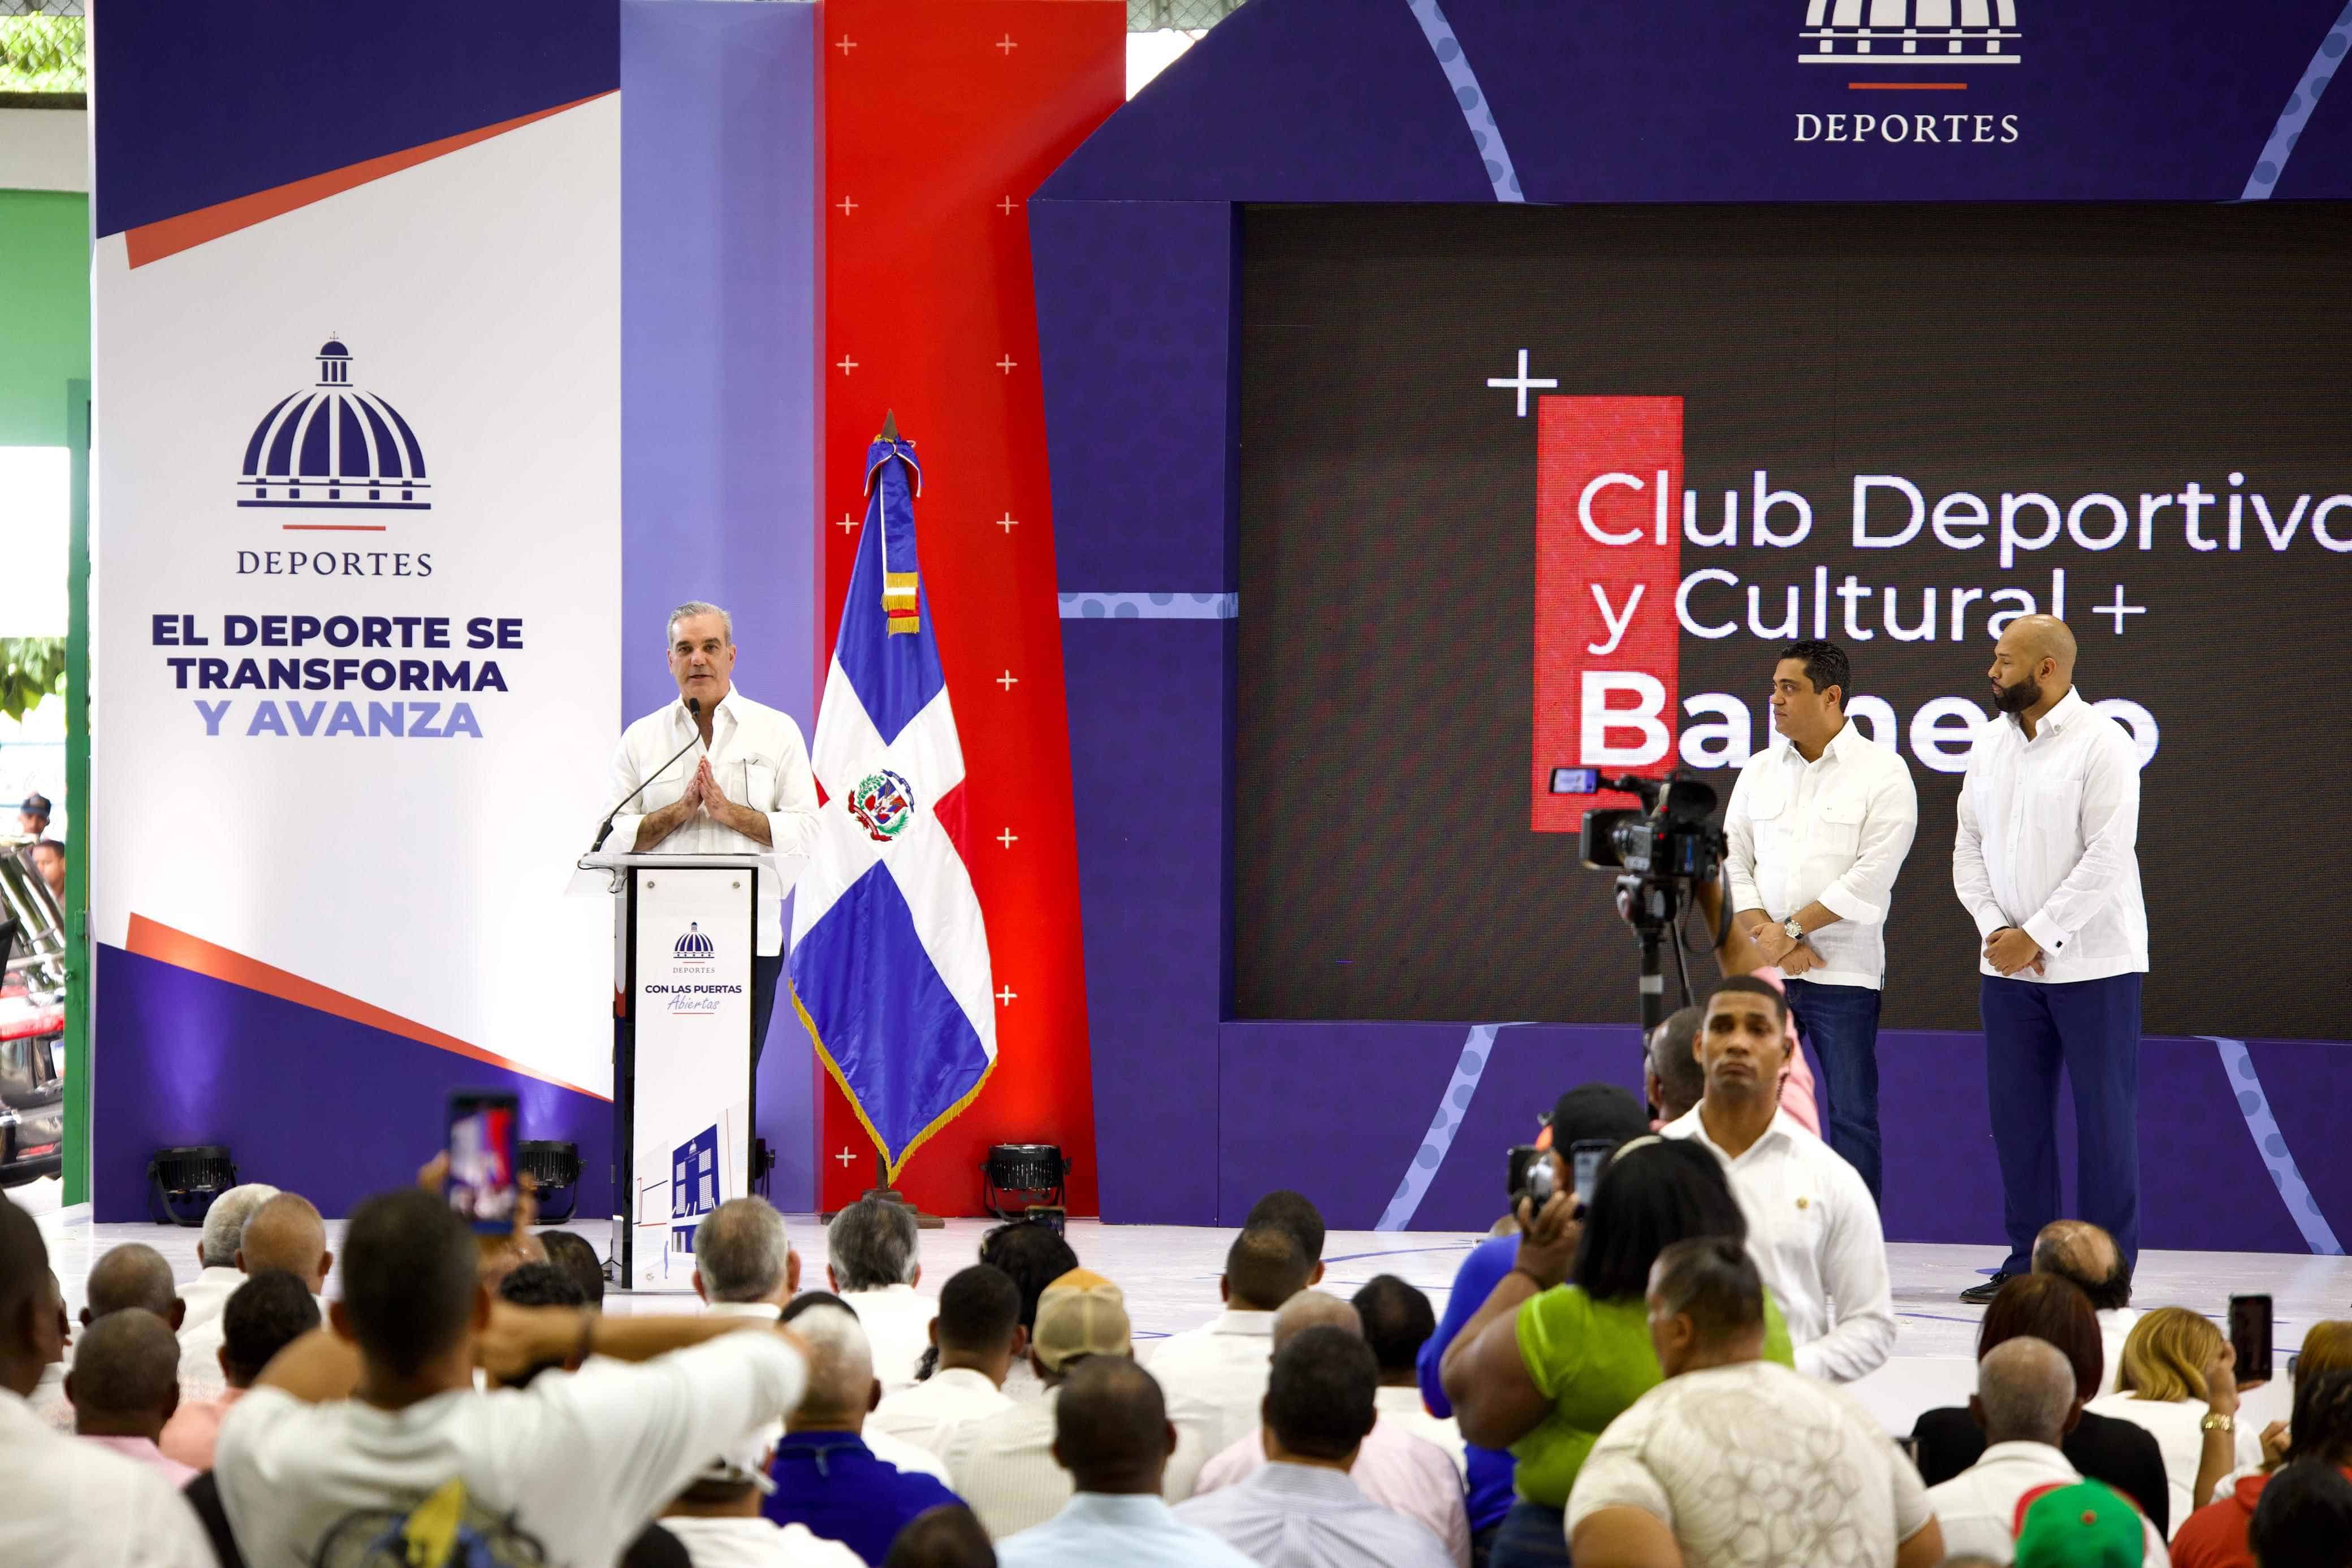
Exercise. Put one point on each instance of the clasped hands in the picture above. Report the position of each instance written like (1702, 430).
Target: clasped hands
(703, 794)
(1792, 956)
(2010, 950)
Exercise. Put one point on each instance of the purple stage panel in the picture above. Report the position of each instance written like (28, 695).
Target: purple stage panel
(331, 1109)
(719, 392)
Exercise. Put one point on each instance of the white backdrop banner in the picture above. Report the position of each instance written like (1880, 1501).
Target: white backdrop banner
(357, 548)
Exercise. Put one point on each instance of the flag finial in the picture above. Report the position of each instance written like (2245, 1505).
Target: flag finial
(890, 425)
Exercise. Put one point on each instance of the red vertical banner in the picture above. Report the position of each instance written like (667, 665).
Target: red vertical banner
(940, 117)
(1609, 486)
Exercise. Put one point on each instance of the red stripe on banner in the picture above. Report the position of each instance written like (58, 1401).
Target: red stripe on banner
(153, 242)
(152, 939)
(1609, 488)
(940, 117)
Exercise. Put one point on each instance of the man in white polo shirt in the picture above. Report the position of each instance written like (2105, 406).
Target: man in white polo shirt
(1812, 1228)
(744, 785)
(1818, 826)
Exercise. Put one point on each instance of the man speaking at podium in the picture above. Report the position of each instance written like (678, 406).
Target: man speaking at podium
(720, 775)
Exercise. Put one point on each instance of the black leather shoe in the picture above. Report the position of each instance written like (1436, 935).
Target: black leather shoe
(1978, 1295)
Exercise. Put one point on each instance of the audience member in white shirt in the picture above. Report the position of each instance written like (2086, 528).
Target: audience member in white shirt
(284, 1231)
(48, 1400)
(1214, 1377)
(1033, 1255)
(72, 1504)
(125, 1386)
(870, 1259)
(2026, 1401)
(132, 1275)
(380, 1411)
(2079, 1251)
(1733, 1456)
(1812, 1228)
(2180, 1382)
(979, 1336)
(1003, 1464)
(744, 1264)
(1403, 1472)
(217, 1275)
(2046, 862)
(1398, 1320)
(718, 1523)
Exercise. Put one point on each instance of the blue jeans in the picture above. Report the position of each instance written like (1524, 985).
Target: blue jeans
(1531, 1536)
(1840, 1023)
(2091, 1028)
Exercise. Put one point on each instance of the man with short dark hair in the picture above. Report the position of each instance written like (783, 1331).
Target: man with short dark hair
(576, 1256)
(979, 1335)
(70, 1503)
(1214, 1377)
(743, 1257)
(49, 861)
(125, 1384)
(1398, 1321)
(1816, 830)
(380, 1411)
(943, 1537)
(132, 1275)
(33, 816)
(1731, 1445)
(1671, 1075)
(872, 1262)
(1112, 1434)
(1301, 1510)
(269, 1312)
(1814, 1229)
(2079, 1251)
(1283, 1209)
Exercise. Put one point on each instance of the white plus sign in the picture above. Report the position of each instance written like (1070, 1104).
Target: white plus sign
(847, 523)
(846, 207)
(1008, 522)
(1006, 995)
(1521, 383)
(2118, 610)
(845, 46)
(1008, 680)
(847, 365)
(843, 1158)
(1007, 364)
(1008, 838)
(1006, 206)
(1007, 44)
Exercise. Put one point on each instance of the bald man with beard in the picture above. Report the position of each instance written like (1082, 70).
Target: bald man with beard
(2046, 863)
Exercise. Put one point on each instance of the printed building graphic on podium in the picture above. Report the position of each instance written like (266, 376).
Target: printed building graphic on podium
(693, 1187)
(1909, 32)
(332, 445)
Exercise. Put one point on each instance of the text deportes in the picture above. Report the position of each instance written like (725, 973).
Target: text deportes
(332, 563)
(1955, 129)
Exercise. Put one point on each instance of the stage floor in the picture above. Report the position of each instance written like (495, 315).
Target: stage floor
(1169, 1275)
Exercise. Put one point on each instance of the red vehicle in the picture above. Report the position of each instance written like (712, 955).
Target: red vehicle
(32, 1021)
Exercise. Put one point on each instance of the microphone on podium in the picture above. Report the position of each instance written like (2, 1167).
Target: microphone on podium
(694, 707)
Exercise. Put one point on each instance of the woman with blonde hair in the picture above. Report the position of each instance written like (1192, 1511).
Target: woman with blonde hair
(2178, 1380)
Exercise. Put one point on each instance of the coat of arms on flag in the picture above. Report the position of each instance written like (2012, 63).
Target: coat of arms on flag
(889, 956)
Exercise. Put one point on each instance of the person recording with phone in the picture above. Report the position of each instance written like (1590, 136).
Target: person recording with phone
(716, 773)
(1816, 830)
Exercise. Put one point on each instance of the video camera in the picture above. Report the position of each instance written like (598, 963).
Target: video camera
(1676, 842)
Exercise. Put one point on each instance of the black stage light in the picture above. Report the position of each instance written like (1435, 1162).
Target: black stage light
(554, 1169)
(182, 1183)
(1019, 1177)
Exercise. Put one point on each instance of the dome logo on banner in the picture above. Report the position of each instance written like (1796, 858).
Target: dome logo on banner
(1853, 33)
(695, 944)
(334, 446)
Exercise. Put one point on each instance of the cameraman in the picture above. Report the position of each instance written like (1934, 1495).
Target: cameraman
(1816, 830)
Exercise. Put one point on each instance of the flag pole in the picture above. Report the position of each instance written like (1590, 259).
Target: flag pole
(883, 1190)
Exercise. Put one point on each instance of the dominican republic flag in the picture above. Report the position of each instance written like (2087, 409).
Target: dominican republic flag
(889, 956)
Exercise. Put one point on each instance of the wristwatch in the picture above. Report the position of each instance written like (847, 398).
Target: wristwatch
(1796, 932)
(2216, 1422)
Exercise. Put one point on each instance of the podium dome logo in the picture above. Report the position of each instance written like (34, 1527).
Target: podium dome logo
(695, 944)
(1945, 33)
(333, 446)
(883, 803)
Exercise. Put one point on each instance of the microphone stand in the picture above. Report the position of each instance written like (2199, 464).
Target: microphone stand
(693, 707)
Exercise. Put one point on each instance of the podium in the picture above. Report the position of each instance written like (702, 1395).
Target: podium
(683, 1096)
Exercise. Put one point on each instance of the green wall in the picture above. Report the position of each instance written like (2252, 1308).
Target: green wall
(43, 311)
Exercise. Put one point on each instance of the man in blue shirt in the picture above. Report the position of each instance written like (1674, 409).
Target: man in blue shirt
(827, 1477)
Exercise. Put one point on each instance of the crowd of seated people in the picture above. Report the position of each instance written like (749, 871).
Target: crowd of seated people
(1649, 1377)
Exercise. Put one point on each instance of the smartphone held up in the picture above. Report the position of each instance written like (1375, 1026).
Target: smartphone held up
(483, 1184)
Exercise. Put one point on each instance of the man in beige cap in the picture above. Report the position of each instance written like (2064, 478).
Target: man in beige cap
(1003, 1465)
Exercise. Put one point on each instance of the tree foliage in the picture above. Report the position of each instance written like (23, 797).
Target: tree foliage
(31, 668)
(44, 53)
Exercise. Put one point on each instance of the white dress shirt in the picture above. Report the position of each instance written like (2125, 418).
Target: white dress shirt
(2115, 1327)
(1304, 1516)
(2178, 1425)
(1816, 1239)
(756, 1542)
(1098, 1529)
(1404, 1404)
(1003, 1467)
(1213, 1378)
(759, 760)
(1400, 1470)
(1833, 832)
(2048, 841)
(898, 1320)
(1978, 1508)
(72, 1504)
(928, 1414)
(207, 1296)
